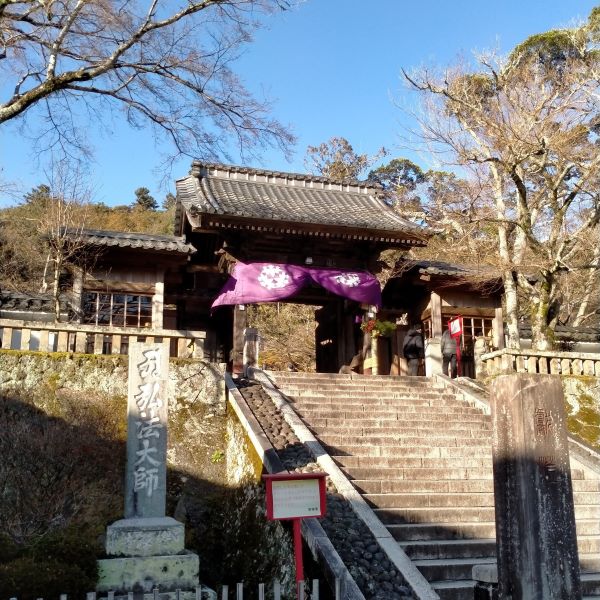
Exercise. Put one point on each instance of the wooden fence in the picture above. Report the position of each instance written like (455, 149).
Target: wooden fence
(535, 361)
(306, 590)
(90, 339)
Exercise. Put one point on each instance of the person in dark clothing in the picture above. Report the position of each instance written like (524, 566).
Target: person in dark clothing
(413, 349)
(448, 354)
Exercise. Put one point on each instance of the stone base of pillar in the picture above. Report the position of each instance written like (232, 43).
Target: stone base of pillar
(141, 574)
(156, 536)
(147, 553)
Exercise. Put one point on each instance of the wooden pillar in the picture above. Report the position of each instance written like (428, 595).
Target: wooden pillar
(250, 358)
(437, 327)
(158, 300)
(535, 519)
(240, 323)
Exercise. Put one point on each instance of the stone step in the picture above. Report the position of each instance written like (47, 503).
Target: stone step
(444, 500)
(585, 485)
(417, 462)
(371, 427)
(590, 563)
(418, 474)
(401, 430)
(413, 419)
(590, 584)
(458, 499)
(367, 486)
(355, 417)
(480, 548)
(394, 404)
(454, 590)
(387, 397)
(408, 451)
(355, 379)
(342, 384)
(421, 514)
(415, 441)
(397, 413)
(587, 512)
(588, 527)
(437, 569)
(463, 429)
(460, 569)
(440, 531)
(588, 544)
(448, 473)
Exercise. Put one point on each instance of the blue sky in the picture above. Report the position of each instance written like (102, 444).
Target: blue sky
(331, 68)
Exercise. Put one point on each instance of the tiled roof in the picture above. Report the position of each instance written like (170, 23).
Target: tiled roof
(289, 198)
(144, 241)
(30, 303)
(435, 267)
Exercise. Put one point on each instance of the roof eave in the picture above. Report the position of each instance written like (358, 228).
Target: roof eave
(216, 222)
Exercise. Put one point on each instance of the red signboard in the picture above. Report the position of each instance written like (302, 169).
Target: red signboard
(456, 329)
(295, 495)
(455, 326)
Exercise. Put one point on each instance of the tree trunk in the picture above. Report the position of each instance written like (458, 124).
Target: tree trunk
(591, 281)
(56, 287)
(511, 299)
(513, 340)
(541, 334)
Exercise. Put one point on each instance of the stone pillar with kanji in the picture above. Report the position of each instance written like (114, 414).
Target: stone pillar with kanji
(535, 517)
(146, 548)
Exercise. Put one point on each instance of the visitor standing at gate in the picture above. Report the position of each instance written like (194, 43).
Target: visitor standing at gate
(413, 349)
(448, 354)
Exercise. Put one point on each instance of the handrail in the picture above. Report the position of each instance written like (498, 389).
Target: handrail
(41, 336)
(541, 361)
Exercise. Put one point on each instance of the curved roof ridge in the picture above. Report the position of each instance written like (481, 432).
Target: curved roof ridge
(201, 168)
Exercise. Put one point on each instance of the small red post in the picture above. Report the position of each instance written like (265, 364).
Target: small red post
(298, 553)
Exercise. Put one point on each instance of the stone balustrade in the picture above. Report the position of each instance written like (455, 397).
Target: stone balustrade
(537, 361)
(39, 336)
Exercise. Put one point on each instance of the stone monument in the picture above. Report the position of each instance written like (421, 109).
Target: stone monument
(535, 517)
(146, 548)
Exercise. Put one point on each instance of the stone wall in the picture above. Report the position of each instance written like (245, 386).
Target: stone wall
(212, 477)
(582, 394)
(193, 380)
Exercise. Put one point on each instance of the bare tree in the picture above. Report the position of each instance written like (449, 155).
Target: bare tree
(62, 226)
(526, 127)
(161, 63)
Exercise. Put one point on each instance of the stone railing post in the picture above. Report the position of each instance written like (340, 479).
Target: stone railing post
(535, 522)
(479, 350)
(433, 357)
(250, 354)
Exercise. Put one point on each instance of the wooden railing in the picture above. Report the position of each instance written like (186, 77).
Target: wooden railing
(536, 361)
(38, 336)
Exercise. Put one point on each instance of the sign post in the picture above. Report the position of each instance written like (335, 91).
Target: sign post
(456, 330)
(295, 496)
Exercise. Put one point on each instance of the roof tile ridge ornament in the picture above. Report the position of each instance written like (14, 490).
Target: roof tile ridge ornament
(201, 169)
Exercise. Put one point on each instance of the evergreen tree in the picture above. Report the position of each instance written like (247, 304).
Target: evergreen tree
(169, 201)
(144, 200)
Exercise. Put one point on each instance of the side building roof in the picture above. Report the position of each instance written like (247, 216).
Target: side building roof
(144, 241)
(223, 196)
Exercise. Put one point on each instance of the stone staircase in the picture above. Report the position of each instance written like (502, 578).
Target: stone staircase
(420, 454)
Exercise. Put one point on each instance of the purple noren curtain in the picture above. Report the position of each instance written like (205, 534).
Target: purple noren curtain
(268, 282)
